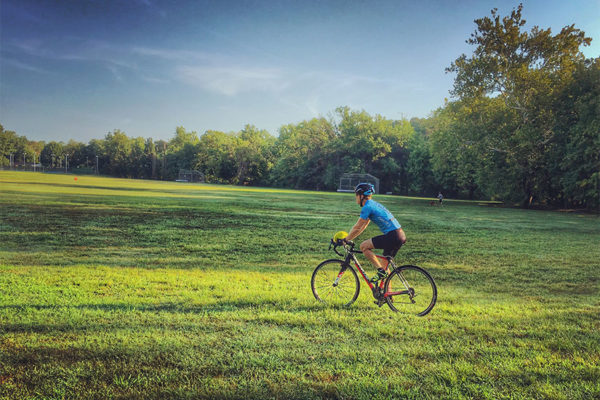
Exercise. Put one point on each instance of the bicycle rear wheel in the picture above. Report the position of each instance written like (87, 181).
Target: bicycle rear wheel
(334, 283)
(410, 289)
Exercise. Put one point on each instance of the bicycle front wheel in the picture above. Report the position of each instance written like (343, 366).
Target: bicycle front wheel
(334, 283)
(410, 289)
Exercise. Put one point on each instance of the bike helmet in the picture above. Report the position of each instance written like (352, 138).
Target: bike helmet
(365, 189)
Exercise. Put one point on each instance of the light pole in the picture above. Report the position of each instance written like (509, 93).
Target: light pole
(96, 165)
(66, 162)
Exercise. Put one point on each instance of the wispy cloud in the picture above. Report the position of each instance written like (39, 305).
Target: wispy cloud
(319, 91)
(230, 81)
(25, 66)
(116, 72)
(340, 79)
(112, 57)
(32, 47)
(170, 54)
(312, 104)
(155, 80)
(152, 6)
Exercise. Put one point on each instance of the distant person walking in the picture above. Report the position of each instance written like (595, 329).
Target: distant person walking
(440, 197)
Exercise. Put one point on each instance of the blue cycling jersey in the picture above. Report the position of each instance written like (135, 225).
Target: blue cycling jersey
(380, 216)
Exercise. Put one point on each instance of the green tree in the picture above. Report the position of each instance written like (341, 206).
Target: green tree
(117, 151)
(137, 158)
(526, 71)
(150, 159)
(254, 156)
(373, 145)
(8, 145)
(392, 167)
(97, 148)
(302, 155)
(579, 147)
(52, 154)
(360, 139)
(76, 152)
(181, 152)
(420, 180)
(216, 157)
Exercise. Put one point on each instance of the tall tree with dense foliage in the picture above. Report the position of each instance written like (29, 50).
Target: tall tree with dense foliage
(579, 146)
(302, 153)
(181, 152)
(117, 151)
(22, 150)
(375, 145)
(53, 154)
(526, 71)
(76, 153)
(419, 173)
(254, 156)
(216, 156)
(8, 145)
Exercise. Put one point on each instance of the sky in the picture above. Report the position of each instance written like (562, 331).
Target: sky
(82, 68)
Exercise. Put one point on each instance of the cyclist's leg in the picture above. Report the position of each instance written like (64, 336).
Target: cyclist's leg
(392, 247)
(367, 248)
(390, 243)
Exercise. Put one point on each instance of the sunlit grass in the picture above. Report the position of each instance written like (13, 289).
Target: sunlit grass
(140, 289)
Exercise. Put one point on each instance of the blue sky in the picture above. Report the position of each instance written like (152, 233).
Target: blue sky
(79, 69)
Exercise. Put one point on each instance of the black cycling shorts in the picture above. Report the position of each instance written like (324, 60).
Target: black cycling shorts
(390, 243)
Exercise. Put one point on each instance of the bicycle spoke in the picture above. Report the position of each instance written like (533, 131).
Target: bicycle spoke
(331, 287)
(417, 293)
(329, 291)
(324, 286)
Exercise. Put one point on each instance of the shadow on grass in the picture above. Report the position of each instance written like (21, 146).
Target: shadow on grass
(77, 185)
(122, 313)
(201, 310)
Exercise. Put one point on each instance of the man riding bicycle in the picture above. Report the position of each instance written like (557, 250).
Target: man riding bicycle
(393, 236)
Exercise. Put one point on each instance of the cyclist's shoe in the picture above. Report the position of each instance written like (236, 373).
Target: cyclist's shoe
(381, 274)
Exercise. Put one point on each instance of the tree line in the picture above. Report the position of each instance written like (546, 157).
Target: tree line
(523, 126)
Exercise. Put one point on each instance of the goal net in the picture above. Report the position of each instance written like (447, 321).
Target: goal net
(349, 181)
(186, 175)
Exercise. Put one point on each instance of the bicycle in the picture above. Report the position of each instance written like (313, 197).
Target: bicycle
(335, 281)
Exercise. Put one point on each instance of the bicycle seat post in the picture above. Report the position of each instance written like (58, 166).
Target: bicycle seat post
(390, 261)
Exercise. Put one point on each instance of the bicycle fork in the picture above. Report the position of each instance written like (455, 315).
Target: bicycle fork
(337, 280)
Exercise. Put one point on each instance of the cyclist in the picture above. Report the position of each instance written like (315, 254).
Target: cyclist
(393, 236)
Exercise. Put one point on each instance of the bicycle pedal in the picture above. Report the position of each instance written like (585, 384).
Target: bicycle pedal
(379, 302)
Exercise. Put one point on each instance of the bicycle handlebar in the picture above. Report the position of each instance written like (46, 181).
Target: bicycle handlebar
(342, 243)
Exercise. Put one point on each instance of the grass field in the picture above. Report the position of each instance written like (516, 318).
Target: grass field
(113, 288)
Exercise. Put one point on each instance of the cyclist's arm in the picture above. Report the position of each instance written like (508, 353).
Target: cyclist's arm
(358, 228)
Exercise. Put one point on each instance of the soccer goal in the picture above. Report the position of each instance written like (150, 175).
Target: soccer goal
(187, 175)
(349, 181)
